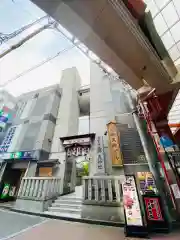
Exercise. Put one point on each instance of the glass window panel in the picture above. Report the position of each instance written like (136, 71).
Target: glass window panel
(168, 40)
(178, 45)
(177, 62)
(152, 7)
(175, 30)
(161, 3)
(170, 14)
(177, 5)
(174, 53)
(160, 24)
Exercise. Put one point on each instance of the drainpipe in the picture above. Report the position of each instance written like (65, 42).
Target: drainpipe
(150, 159)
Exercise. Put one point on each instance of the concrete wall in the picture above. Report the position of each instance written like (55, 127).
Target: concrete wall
(107, 103)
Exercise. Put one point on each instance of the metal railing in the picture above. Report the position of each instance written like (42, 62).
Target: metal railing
(102, 190)
(39, 188)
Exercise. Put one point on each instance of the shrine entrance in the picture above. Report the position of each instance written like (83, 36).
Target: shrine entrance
(77, 161)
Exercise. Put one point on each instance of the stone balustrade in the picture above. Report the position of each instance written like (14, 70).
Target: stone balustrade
(102, 190)
(39, 188)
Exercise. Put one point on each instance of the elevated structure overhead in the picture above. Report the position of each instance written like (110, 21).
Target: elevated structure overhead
(109, 30)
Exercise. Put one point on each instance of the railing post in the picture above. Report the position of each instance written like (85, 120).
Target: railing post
(89, 189)
(110, 190)
(117, 189)
(28, 187)
(84, 188)
(39, 195)
(36, 187)
(102, 190)
(31, 190)
(96, 190)
(21, 188)
(24, 187)
(45, 189)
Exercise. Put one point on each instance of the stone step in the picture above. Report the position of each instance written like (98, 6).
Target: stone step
(68, 201)
(63, 209)
(74, 198)
(63, 214)
(66, 205)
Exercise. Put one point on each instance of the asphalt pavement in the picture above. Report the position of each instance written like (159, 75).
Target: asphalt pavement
(17, 226)
(12, 223)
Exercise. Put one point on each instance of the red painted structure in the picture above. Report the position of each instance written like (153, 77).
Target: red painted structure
(155, 109)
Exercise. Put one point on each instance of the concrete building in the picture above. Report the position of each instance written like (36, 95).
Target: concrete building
(60, 130)
(42, 118)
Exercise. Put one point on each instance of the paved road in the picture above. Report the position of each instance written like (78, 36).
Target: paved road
(12, 223)
(15, 226)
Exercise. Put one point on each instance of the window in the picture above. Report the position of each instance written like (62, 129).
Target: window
(170, 15)
(160, 24)
(7, 140)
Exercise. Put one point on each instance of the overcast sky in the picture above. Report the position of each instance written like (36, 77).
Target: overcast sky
(14, 15)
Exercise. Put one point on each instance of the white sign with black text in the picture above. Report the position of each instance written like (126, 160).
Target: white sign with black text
(100, 155)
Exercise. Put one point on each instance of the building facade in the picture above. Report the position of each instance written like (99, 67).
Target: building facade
(66, 136)
(47, 119)
(7, 112)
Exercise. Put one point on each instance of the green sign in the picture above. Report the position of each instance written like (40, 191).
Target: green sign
(5, 191)
(16, 155)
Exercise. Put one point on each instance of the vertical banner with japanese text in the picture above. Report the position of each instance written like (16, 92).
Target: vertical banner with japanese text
(131, 202)
(114, 144)
(100, 166)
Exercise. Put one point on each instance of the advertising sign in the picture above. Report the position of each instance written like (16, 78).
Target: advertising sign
(5, 191)
(131, 202)
(18, 155)
(4, 117)
(153, 209)
(114, 144)
(176, 191)
(146, 182)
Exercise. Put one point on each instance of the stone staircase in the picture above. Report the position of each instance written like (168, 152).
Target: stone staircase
(69, 205)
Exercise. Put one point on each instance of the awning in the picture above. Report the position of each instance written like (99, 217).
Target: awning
(48, 162)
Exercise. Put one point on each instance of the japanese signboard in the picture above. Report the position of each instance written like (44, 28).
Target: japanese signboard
(77, 151)
(100, 155)
(146, 182)
(153, 209)
(77, 141)
(131, 202)
(114, 144)
(176, 191)
(19, 155)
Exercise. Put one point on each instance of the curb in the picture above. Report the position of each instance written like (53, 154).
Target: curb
(81, 220)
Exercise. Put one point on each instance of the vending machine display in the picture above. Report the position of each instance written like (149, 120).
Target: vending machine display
(5, 191)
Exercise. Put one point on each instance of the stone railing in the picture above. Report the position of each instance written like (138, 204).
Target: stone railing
(102, 190)
(39, 188)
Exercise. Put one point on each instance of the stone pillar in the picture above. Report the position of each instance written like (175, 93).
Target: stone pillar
(104, 108)
(68, 117)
